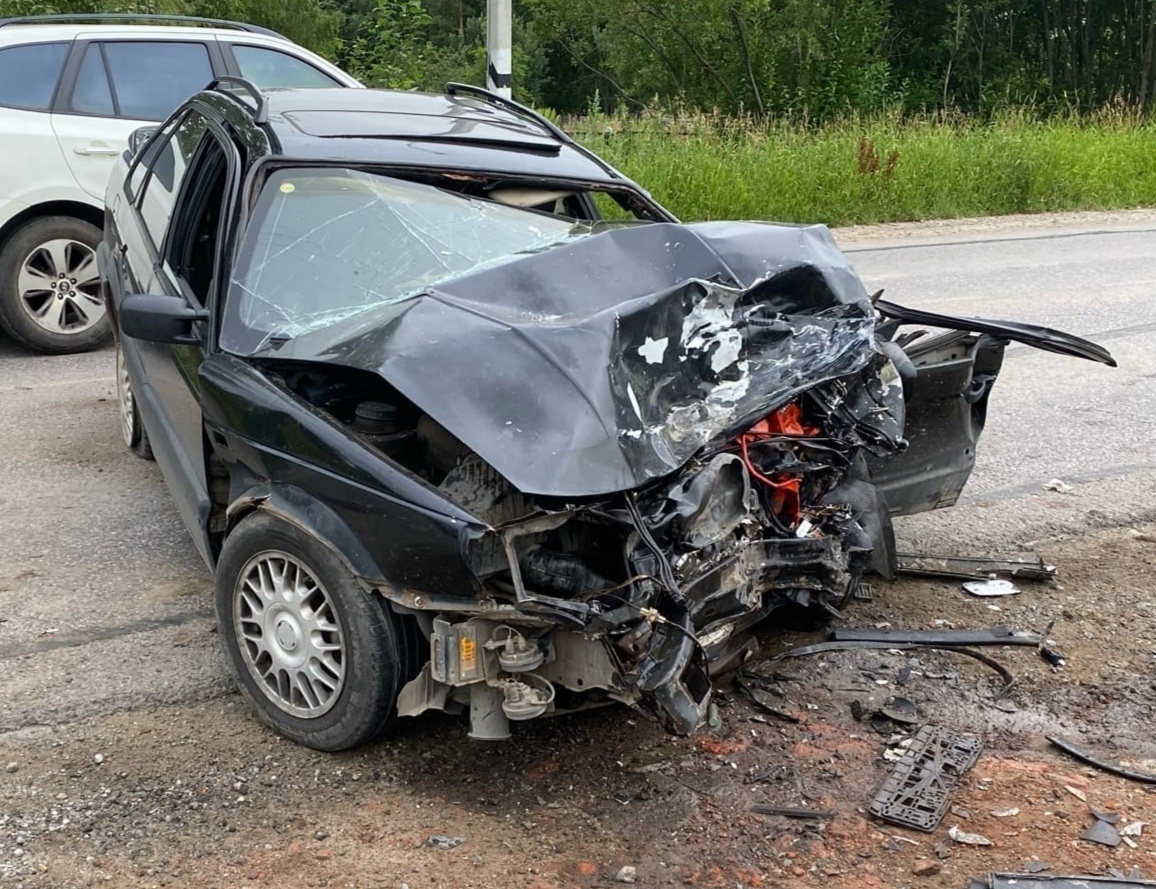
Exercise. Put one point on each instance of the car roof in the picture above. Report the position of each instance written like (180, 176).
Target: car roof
(32, 30)
(451, 130)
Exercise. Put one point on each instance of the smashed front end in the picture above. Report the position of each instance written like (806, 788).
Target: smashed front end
(665, 434)
(655, 470)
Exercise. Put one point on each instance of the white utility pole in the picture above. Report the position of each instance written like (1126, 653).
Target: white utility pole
(499, 46)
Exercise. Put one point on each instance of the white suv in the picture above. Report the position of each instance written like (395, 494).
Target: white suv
(72, 91)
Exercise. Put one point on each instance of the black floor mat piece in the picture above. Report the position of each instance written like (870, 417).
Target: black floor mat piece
(917, 792)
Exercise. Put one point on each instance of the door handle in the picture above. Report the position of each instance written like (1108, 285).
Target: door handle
(94, 150)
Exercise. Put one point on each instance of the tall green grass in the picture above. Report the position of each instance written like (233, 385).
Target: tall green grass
(880, 170)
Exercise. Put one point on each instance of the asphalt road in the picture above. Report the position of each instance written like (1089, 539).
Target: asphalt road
(105, 605)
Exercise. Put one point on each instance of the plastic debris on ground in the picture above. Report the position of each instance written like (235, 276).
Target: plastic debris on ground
(916, 793)
(990, 588)
(1103, 833)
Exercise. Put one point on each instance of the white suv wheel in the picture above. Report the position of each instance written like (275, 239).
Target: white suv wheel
(51, 298)
(59, 287)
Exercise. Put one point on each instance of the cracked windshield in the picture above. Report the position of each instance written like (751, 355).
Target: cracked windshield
(326, 245)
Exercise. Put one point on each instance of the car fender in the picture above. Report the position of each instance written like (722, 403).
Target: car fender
(21, 202)
(312, 516)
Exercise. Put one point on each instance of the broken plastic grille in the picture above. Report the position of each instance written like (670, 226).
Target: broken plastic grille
(917, 791)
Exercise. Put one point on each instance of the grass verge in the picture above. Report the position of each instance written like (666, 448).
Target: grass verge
(880, 170)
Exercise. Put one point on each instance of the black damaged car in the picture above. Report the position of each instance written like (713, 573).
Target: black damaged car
(463, 420)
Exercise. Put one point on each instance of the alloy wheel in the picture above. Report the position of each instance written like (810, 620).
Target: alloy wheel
(289, 634)
(59, 287)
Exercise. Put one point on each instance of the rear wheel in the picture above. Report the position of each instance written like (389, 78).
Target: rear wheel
(319, 656)
(50, 294)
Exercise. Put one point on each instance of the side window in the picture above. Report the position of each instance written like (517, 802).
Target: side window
(193, 244)
(92, 94)
(167, 167)
(28, 74)
(140, 80)
(610, 209)
(270, 68)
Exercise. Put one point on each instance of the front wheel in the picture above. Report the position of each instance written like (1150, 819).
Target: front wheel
(50, 294)
(319, 656)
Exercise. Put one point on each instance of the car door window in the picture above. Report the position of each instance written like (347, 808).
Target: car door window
(139, 80)
(192, 251)
(92, 94)
(167, 168)
(28, 74)
(270, 68)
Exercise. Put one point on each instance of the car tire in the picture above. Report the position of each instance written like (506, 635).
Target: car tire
(35, 310)
(132, 429)
(320, 657)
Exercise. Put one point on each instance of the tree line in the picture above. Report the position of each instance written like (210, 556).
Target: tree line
(799, 59)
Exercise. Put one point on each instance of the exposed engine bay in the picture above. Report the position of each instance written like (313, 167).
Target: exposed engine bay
(654, 467)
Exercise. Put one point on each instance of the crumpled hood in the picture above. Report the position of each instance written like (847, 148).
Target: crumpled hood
(604, 363)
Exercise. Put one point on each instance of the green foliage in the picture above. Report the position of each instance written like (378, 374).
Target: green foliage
(60, 7)
(812, 57)
(882, 168)
(801, 60)
(306, 22)
(392, 47)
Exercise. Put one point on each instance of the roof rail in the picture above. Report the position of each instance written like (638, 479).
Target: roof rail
(477, 92)
(485, 95)
(261, 111)
(100, 18)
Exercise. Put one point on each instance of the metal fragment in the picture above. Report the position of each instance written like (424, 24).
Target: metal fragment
(966, 568)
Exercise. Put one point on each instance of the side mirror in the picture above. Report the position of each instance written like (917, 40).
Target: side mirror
(159, 319)
(139, 138)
